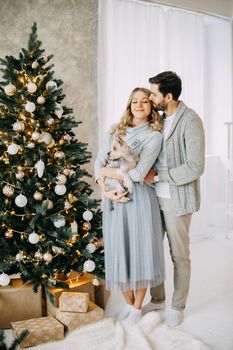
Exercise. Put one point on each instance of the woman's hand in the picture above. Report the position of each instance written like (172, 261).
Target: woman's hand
(116, 196)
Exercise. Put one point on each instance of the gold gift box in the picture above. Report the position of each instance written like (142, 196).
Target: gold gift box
(13, 301)
(74, 302)
(84, 284)
(41, 330)
(73, 320)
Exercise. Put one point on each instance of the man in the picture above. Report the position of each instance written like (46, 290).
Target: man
(178, 170)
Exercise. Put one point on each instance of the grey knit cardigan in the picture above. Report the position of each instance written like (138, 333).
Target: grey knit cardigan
(185, 154)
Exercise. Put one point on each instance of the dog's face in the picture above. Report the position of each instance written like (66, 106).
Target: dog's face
(119, 150)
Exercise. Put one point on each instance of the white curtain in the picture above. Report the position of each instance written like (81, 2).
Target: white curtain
(138, 40)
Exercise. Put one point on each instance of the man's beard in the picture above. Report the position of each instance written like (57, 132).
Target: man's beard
(162, 106)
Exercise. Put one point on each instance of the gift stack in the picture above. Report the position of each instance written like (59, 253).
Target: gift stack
(76, 310)
(81, 284)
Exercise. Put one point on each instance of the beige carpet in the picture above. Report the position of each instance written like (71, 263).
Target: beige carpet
(148, 334)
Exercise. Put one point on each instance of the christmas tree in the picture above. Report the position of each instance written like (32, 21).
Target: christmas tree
(49, 223)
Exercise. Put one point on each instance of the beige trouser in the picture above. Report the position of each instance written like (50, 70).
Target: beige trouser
(177, 229)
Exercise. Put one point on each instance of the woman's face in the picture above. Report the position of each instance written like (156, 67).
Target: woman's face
(140, 107)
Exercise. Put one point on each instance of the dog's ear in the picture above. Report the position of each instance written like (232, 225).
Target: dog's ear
(120, 140)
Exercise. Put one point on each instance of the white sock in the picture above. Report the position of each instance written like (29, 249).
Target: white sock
(125, 312)
(133, 317)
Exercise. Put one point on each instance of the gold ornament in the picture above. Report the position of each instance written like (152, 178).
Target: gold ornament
(59, 155)
(86, 226)
(10, 89)
(42, 237)
(69, 243)
(9, 233)
(8, 191)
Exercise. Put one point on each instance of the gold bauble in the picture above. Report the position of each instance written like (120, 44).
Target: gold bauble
(96, 242)
(86, 226)
(38, 255)
(42, 237)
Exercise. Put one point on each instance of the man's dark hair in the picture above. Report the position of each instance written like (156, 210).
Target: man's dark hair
(168, 82)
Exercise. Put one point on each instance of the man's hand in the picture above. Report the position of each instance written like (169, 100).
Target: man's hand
(149, 178)
(116, 196)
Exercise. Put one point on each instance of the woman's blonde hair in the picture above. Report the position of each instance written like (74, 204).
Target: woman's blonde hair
(154, 119)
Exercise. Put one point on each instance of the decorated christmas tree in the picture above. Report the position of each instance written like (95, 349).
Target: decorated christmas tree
(49, 223)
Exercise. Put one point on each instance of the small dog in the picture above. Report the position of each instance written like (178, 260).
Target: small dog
(121, 156)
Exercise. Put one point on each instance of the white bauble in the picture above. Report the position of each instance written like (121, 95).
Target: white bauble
(19, 257)
(49, 204)
(35, 135)
(8, 191)
(60, 190)
(20, 175)
(33, 238)
(96, 282)
(48, 257)
(30, 145)
(30, 107)
(35, 65)
(38, 196)
(89, 265)
(18, 126)
(21, 200)
(87, 215)
(40, 77)
(40, 100)
(91, 248)
(61, 179)
(59, 155)
(58, 110)
(45, 137)
(51, 85)
(59, 221)
(10, 90)
(40, 168)
(13, 149)
(4, 279)
(31, 87)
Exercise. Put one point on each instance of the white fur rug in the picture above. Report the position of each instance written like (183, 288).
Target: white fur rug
(109, 334)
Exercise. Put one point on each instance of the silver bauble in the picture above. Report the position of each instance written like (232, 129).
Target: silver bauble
(30, 107)
(31, 87)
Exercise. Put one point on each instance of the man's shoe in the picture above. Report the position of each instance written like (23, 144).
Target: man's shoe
(174, 317)
(152, 307)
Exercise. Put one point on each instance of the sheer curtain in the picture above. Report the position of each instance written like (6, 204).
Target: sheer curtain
(137, 40)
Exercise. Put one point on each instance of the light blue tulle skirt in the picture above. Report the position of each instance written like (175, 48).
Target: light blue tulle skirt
(133, 241)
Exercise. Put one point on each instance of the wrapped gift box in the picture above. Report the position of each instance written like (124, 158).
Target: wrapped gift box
(84, 284)
(41, 330)
(101, 294)
(13, 302)
(74, 302)
(72, 320)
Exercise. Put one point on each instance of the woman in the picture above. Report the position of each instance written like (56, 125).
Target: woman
(132, 229)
